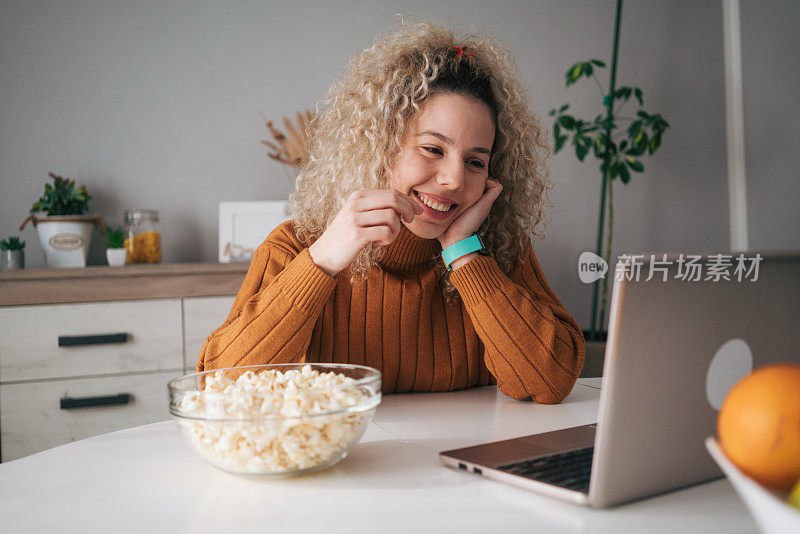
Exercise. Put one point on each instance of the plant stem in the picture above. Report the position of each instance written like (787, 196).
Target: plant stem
(603, 300)
(599, 249)
(609, 103)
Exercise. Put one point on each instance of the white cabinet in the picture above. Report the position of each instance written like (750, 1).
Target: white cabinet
(63, 340)
(71, 371)
(35, 416)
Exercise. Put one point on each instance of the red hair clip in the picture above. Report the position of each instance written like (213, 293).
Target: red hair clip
(461, 52)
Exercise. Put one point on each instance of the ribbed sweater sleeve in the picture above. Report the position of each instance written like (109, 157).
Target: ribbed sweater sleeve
(274, 313)
(533, 346)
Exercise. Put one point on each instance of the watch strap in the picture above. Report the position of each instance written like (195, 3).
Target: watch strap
(461, 248)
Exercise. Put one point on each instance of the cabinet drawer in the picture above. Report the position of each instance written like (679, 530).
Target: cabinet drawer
(32, 418)
(63, 340)
(201, 316)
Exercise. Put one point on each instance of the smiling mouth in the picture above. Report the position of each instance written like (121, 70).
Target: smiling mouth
(435, 205)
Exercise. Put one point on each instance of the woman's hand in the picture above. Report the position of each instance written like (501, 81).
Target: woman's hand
(366, 217)
(470, 220)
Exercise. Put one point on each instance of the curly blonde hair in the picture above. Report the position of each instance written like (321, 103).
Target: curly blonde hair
(360, 125)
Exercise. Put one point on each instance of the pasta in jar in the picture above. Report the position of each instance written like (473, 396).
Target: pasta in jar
(144, 239)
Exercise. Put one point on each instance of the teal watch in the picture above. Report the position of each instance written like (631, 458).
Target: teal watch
(461, 248)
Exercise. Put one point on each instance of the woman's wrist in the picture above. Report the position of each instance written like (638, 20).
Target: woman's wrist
(463, 260)
(447, 241)
(315, 257)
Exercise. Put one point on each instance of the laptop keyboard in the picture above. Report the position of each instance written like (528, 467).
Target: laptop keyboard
(569, 470)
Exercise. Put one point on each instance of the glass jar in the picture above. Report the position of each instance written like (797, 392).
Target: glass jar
(143, 241)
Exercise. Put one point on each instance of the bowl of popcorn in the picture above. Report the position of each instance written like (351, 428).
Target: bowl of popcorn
(276, 420)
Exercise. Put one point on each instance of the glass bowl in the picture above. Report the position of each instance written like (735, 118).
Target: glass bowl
(278, 420)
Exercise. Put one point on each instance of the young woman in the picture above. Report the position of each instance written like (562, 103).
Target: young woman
(423, 144)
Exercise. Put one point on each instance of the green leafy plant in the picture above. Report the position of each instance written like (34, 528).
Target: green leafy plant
(12, 243)
(116, 238)
(621, 151)
(618, 141)
(62, 198)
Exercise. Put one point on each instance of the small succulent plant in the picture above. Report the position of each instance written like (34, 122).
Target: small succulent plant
(116, 238)
(12, 243)
(62, 198)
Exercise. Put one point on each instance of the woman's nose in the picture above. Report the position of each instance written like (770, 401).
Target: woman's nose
(451, 175)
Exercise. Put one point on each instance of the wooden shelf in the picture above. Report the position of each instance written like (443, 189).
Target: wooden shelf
(129, 282)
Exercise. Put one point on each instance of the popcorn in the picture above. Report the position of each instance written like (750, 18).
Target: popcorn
(278, 431)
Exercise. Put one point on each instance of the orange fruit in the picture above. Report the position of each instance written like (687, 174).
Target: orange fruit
(759, 425)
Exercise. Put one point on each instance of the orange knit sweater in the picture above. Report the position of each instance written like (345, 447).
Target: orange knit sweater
(509, 330)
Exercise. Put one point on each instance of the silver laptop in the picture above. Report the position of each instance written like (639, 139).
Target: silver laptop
(676, 344)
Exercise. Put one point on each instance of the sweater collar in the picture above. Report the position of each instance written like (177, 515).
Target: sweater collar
(409, 251)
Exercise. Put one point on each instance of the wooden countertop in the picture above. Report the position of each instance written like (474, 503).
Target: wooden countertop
(129, 282)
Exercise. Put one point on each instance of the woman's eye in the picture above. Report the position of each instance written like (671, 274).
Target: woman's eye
(475, 163)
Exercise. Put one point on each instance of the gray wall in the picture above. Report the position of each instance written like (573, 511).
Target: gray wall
(771, 74)
(160, 105)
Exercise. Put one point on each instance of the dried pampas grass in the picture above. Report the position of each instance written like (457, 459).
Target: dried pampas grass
(292, 147)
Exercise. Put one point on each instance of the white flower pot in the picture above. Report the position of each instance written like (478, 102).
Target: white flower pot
(65, 239)
(116, 256)
(13, 259)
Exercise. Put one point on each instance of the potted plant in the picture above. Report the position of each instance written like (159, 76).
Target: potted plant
(116, 252)
(13, 253)
(619, 141)
(65, 230)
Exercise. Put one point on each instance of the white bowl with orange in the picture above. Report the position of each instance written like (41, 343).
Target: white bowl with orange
(758, 429)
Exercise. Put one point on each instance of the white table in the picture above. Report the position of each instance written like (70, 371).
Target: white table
(147, 479)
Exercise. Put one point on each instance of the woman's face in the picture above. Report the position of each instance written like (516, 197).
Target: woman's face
(444, 162)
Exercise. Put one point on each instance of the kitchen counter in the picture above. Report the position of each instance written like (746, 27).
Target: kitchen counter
(159, 316)
(147, 479)
(128, 282)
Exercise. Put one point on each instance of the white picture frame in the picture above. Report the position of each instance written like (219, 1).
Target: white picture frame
(243, 226)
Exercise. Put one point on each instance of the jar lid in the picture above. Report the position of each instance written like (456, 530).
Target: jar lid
(136, 215)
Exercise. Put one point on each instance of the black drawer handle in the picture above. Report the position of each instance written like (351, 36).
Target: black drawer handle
(97, 339)
(68, 403)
